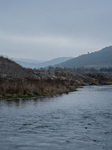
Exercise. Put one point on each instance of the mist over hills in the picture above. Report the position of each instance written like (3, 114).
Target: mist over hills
(98, 59)
(30, 63)
(27, 63)
(53, 62)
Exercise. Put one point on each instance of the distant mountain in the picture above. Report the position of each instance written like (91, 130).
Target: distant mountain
(98, 59)
(27, 60)
(53, 62)
(29, 63)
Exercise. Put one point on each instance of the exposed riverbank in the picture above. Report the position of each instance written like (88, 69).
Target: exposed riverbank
(16, 81)
(49, 83)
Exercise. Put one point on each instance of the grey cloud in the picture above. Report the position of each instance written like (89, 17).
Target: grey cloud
(57, 28)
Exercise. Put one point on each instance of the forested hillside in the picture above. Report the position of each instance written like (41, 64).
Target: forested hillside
(98, 59)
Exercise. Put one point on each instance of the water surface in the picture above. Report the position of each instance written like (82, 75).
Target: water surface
(81, 120)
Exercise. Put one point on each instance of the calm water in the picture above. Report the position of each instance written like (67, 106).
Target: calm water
(81, 120)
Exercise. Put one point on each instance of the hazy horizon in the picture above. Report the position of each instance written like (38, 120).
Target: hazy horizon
(48, 29)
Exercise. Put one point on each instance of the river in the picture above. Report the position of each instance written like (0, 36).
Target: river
(81, 120)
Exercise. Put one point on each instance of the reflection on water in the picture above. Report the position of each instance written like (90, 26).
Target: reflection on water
(81, 120)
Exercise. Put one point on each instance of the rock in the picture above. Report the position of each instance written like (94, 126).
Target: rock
(54, 77)
(62, 78)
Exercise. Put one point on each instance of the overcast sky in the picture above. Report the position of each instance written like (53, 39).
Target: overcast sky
(47, 29)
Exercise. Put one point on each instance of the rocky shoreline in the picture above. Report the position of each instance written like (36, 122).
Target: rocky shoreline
(16, 81)
(47, 82)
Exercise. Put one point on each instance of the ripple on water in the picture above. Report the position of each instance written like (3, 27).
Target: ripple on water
(80, 120)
